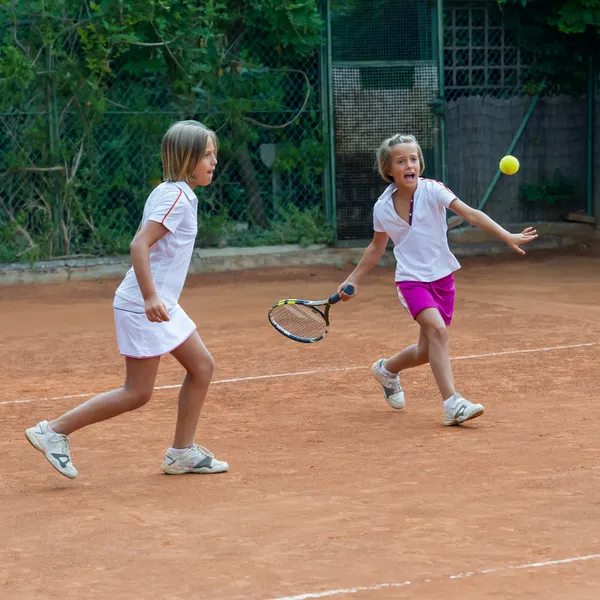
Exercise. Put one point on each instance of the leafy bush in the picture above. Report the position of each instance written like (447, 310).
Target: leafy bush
(88, 89)
(557, 191)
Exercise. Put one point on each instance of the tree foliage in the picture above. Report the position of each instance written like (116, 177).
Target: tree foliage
(87, 89)
(564, 34)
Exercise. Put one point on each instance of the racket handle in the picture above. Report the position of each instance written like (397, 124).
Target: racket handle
(349, 289)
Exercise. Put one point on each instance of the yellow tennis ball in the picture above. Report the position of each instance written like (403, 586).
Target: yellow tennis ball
(509, 165)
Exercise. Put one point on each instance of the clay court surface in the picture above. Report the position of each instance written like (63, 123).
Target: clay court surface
(331, 493)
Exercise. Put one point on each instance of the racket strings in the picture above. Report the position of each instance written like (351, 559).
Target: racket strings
(300, 320)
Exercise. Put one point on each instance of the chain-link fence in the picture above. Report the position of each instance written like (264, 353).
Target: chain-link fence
(490, 101)
(497, 103)
(384, 79)
(74, 175)
(298, 130)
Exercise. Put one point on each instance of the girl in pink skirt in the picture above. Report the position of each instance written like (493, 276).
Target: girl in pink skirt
(148, 318)
(412, 212)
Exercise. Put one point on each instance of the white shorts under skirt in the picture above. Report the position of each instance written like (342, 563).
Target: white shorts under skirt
(139, 338)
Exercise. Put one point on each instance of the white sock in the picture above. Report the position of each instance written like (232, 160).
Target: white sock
(178, 451)
(449, 402)
(51, 431)
(386, 372)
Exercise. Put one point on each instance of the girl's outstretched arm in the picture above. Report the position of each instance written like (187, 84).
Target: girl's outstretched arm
(480, 220)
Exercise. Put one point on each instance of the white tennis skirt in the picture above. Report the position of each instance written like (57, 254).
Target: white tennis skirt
(139, 338)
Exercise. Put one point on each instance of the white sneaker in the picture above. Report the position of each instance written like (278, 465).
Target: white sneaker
(392, 390)
(55, 446)
(461, 410)
(195, 460)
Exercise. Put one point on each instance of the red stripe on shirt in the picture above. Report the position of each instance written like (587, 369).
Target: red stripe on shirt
(439, 183)
(172, 207)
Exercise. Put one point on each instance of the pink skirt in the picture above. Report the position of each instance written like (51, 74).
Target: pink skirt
(416, 296)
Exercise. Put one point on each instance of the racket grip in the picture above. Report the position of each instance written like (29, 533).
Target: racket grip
(349, 289)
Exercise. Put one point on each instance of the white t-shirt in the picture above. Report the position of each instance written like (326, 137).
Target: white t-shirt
(175, 206)
(421, 250)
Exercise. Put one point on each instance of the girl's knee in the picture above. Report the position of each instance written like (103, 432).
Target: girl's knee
(136, 398)
(436, 332)
(208, 368)
(204, 369)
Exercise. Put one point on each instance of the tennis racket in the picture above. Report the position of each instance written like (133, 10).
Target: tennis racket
(304, 321)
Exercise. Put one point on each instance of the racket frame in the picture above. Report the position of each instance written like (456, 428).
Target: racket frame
(314, 305)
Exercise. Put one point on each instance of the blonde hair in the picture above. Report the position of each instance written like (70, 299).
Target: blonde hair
(183, 146)
(384, 154)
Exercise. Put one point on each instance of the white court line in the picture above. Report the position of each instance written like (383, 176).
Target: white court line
(380, 586)
(314, 372)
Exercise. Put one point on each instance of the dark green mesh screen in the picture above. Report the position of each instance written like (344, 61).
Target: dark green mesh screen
(384, 80)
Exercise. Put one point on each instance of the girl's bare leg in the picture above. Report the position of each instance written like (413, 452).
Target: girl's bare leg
(435, 330)
(137, 390)
(198, 362)
(411, 356)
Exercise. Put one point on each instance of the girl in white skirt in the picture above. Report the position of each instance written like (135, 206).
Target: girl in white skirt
(149, 320)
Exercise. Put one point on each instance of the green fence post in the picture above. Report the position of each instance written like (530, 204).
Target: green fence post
(591, 99)
(54, 142)
(327, 119)
(441, 88)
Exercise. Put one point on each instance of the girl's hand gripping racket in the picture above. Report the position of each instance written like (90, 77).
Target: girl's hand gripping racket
(304, 320)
